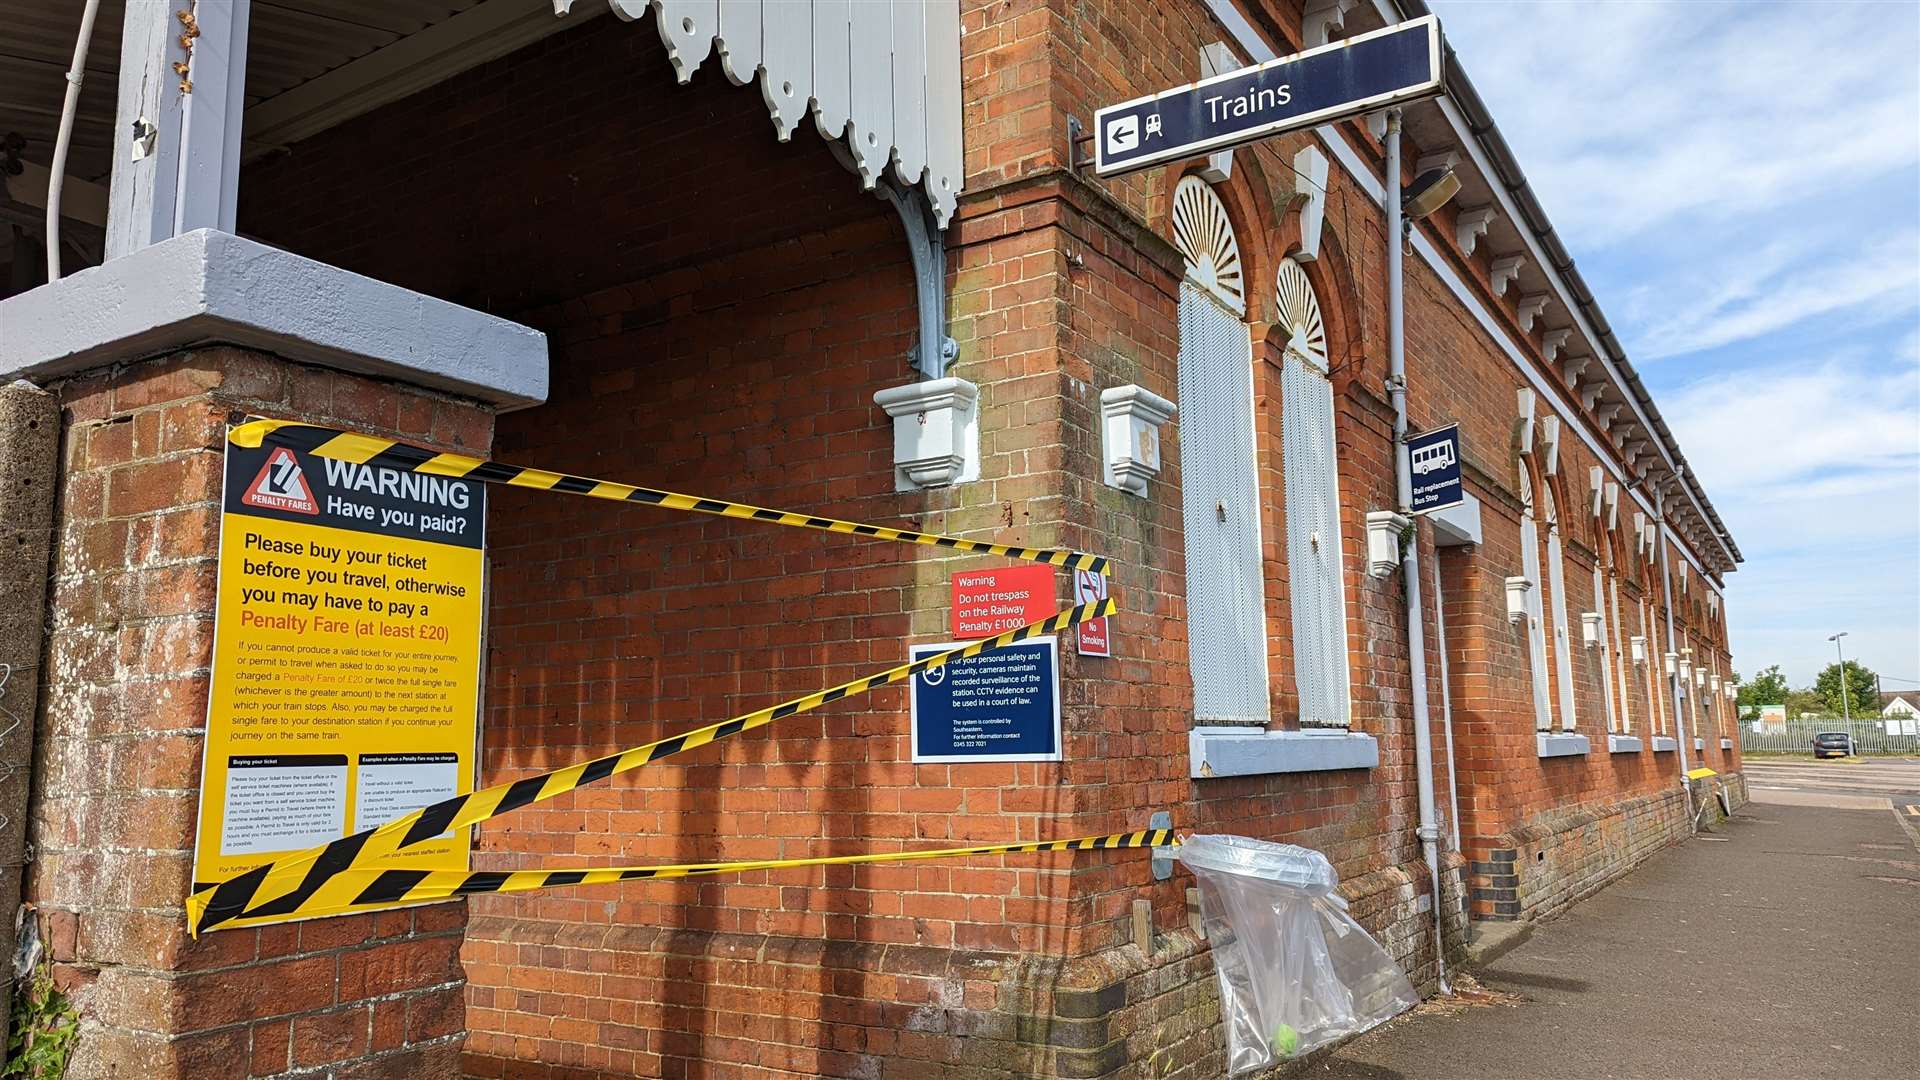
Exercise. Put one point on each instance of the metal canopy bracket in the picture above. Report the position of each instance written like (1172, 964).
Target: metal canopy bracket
(934, 352)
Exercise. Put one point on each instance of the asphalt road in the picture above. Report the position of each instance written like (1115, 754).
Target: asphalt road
(1785, 944)
(1866, 783)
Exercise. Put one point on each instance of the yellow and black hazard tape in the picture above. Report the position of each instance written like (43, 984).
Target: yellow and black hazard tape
(387, 453)
(373, 886)
(305, 881)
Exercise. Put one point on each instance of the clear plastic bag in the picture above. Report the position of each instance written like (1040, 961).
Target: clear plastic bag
(1296, 971)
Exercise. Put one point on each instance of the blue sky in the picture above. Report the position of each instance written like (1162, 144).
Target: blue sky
(1740, 184)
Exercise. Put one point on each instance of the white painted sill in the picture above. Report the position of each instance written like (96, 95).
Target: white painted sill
(1699, 744)
(1665, 744)
(1623, 744)
(1561, 743)
(1726, 744)
(1214, 752)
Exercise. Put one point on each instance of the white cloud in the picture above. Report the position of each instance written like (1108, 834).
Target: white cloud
(1741, 185)
(1660, 111)
(1752, 431)
(1781, 286)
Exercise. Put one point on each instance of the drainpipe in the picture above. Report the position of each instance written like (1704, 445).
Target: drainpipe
(1446, 703)
(1673, 678)
(1410, 562)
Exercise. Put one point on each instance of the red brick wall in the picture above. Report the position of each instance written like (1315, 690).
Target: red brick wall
(721, 309)
(119, 746)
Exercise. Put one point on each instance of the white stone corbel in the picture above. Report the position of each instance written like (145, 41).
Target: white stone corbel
(1130, 419)
(1505, 271)
(1606, 413)
(1532, 306)
(1324, 21)
(1310, 191)
(1553, 341)
(1590, 394)
(1384, 530)
(1590, 629)
(1611, 499)
(1471, 225)
(1517, 590)
(936, 432)
(1550, 444)
(1377, 125)
(1639, 531)
(1571, 369)
(1638, 645)
(1216, 58)
(1524, 398)
(1594, 483)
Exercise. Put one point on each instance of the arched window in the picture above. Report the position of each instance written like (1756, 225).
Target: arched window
(1615, 556)
(1226, 602)
(1311, 471)
(1561, 645)
(1536, 624)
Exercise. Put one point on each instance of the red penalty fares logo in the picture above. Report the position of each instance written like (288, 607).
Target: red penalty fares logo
(281, 485)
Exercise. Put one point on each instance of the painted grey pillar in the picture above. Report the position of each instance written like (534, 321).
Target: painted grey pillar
(176, 152)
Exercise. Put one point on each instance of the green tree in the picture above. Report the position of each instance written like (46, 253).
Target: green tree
(1805, 703)
(1862, 690)
(1767, 688)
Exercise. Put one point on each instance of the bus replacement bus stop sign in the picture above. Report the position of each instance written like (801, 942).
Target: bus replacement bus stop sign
(1347, 78)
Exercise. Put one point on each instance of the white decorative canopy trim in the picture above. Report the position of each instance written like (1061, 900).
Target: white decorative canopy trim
(1204, 234)
(884, 78)
(1299, 311)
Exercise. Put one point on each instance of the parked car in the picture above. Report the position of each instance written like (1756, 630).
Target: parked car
(1832, 744)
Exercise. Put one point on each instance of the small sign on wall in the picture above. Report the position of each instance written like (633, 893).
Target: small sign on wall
(1090, 587)
(988, 602)
(999, 706)
(1434, 458)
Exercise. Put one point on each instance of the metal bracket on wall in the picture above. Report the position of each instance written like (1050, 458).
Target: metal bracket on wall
(1162, 856)
(1079, 144)
(934, 352)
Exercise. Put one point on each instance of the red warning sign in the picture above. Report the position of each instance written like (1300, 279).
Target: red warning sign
(281, 486)
(987, 602)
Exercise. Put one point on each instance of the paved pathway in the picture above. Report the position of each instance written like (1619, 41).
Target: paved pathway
(1784, 945)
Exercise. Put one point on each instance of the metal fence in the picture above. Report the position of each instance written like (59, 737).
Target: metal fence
(1796, 736)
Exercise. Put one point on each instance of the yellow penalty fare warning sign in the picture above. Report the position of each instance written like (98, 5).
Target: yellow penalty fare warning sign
(332, 877)
(346, 658)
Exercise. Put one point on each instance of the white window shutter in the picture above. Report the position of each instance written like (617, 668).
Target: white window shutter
(1226, 610)
(1621, 661)
(1605, 649)
(1536, 630)
(1562, 640)
(1313, 543)
(1310, 468)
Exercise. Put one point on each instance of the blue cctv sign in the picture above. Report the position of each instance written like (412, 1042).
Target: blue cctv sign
(1347, 78)
(1434, 459)
(998, 706)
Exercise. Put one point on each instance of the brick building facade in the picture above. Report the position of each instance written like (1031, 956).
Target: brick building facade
(719, 310)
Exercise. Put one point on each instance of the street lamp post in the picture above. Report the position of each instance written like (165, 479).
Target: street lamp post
(1846, 710)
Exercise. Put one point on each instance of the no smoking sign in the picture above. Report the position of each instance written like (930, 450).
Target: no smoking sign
(1092, 638)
